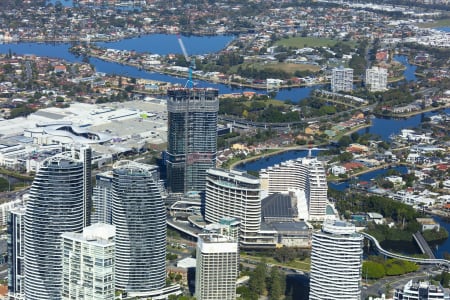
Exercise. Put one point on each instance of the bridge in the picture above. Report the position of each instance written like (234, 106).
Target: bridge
(423, 245)
(426, 261)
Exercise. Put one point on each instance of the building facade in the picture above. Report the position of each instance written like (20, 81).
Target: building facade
(342, 80)
(421, 291)
(376, 79)
(217, 267)
(55, 206)
(102, 198)
(16, 255)
(86, 159)
(336, 260)
(237, 195)
(191, 137)
(139, 215)
(88, 263)
(306, 174)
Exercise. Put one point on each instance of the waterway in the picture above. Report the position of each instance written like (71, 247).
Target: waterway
(410, 70)
(444, 29)
(158, 44)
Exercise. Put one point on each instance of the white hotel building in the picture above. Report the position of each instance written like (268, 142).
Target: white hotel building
(336, 261)
(306, 174)
(376, 79)
(217, 267)
(234, 194)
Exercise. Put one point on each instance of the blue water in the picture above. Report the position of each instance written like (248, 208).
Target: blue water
(409, 73)
(269, 161)
(66, 3)
(341, 186)
(164, 44)
(445, 246)
(445, 29)
(198, 45)
(386, 127)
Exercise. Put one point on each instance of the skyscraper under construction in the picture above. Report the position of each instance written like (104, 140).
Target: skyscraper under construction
(192, 137)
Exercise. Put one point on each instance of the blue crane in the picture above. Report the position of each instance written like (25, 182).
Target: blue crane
(191, 62)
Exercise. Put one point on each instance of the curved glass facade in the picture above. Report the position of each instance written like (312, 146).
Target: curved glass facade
(138, 213)
(55, 206)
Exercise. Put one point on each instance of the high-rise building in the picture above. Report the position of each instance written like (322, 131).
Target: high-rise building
(191, 137)
(234, 194)
(342, 79)
(217, 267)
(376, 79)
(55, 206)
(336, 260)
(138, 213)
(86, 159)
(16, 273)
(306, 174)
(423, 290)
(88, 263)
(102, 198)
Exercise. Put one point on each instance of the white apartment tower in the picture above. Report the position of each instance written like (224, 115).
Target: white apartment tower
(88, 263)
(376, 79)
(342, 79)
(234, 194)
(336, 261)
(217, 267)
(306, 174)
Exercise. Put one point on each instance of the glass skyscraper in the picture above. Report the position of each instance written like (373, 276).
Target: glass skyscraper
(138, 213)
(16, 274)
(56, 205)
(192, 137)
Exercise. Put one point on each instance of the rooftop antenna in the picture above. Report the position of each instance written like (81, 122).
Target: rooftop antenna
(191, 61)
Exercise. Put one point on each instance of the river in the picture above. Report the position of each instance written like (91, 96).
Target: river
(158, 44)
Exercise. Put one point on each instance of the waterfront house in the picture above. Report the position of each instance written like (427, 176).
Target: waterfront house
(428, 224)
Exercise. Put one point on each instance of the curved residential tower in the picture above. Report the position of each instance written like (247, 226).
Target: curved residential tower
(55, 206)
(336, 260)
(234, 194)
(139, 216)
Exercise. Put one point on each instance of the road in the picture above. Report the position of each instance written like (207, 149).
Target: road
(379, 287)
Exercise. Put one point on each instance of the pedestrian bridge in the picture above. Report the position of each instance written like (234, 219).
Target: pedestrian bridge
(430, 261)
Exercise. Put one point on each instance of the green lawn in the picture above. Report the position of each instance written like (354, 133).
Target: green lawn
(287, 67)
(300, 42)
(295, 264)
(438, 23)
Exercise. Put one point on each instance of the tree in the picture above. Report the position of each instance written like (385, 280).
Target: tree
(344, 141)
(257, 282)
(275, 284)
(4, 184)
(373, 270)
(345, 157)
(284, 254)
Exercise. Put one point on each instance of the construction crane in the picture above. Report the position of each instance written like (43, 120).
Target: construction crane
(190, 61)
